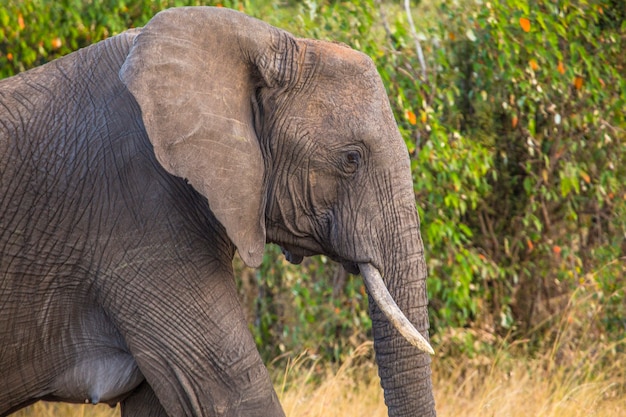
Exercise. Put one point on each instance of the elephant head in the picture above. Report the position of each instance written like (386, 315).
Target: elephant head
(292, 141)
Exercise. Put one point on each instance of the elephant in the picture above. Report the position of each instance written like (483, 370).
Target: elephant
(134, 169)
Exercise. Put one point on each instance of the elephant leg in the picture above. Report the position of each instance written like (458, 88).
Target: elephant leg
(142, 403)
(186, 329)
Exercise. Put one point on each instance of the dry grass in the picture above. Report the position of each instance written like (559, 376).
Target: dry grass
(520, 387)
(506, 387)
(44, 409)
(352, 390)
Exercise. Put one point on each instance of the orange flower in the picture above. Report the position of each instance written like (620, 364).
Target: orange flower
(560, 68)
(20, 21)
(56, 43)
(514, 121)
(556, 249)
(578, 82)
(586, 177)
(533, 64)
(525, 24)
(411, 117)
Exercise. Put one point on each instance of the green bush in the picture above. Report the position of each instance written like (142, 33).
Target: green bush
(530, 201)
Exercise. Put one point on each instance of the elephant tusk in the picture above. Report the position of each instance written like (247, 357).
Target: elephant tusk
(378, 291)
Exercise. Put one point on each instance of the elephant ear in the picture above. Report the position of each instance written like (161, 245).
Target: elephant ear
(194, 72)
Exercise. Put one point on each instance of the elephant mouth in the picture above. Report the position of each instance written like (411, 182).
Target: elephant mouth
(293, 258)
(350, 267)
(296, 255)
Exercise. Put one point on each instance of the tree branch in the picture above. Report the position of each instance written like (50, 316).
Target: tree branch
(418, 46)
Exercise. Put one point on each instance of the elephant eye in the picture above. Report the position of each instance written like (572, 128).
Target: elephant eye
(352, 160)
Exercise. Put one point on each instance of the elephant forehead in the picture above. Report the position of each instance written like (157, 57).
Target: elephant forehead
(340, 122)
(345, 114)
(346, 99)
(343, 101)
(339, 53)
(340, 62)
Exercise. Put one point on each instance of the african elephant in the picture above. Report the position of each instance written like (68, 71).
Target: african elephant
(132, 170)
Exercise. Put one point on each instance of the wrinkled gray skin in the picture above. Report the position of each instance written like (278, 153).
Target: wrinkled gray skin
(116, 279)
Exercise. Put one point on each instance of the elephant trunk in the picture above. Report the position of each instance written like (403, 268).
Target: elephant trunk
(402, 353)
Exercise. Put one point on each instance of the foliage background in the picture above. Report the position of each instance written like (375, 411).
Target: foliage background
(515, 125)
